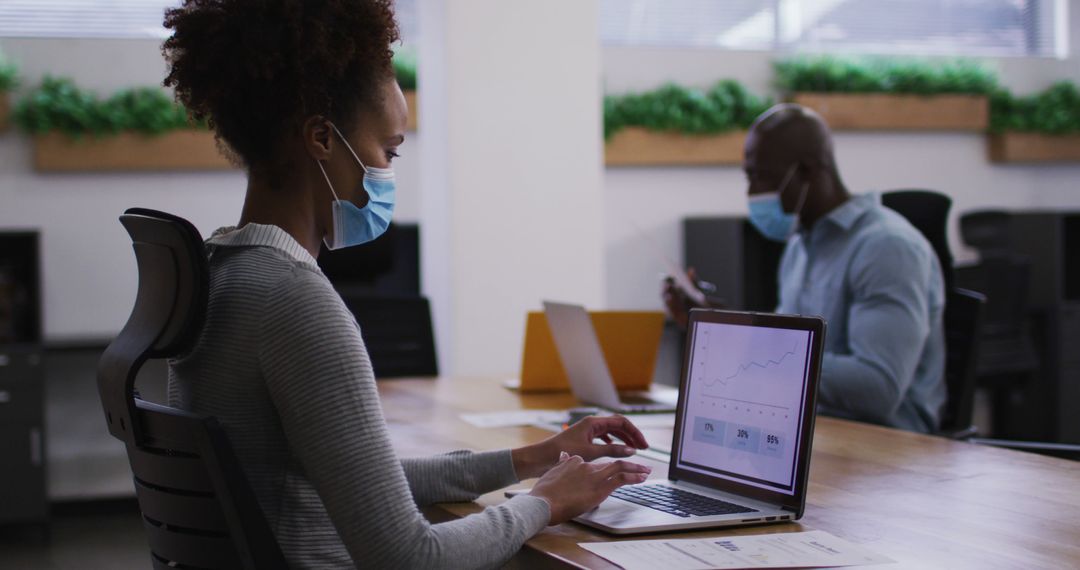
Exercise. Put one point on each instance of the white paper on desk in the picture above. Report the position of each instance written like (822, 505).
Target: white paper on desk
(515, 418)
(785, 550)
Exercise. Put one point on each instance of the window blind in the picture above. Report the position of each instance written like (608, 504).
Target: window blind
(83, 18)
(947, 27)
(930, 27)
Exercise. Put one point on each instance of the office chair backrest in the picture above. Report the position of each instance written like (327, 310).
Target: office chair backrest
(397, 332)
(198, 509)
(963, 321)
(1006, 280)
(928, 211)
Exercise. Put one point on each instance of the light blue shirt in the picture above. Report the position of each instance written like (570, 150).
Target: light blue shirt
(877, 282)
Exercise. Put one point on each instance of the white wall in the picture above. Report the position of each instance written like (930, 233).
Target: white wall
(512, 203)
(89, 272)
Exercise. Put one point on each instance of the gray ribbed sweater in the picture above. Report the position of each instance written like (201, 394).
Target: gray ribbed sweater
(282, 365)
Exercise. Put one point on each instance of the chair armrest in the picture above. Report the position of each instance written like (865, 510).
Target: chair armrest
(1064, 450)
(961, 434)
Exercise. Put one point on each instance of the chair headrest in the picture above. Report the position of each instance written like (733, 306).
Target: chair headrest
(170, 307)
(172, 266)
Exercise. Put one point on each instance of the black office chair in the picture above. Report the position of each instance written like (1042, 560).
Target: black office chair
(397, 333)
(928, 211)
(197, 507)
(963, 321)
(1009, 357)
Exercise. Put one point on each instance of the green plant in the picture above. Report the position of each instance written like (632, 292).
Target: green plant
(148, 110)
(405, 71)
(59, 105)
(827, 74)
(1055, 111)
(724, 107)
(9, 75)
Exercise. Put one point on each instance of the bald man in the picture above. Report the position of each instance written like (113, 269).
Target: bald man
(861, 266)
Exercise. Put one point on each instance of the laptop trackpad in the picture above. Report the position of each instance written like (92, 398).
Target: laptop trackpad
(617, 513)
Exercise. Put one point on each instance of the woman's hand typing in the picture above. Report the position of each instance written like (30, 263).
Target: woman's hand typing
(578, 440)
(574, 486)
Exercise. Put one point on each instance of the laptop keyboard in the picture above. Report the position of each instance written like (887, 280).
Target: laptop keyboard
(677, 502)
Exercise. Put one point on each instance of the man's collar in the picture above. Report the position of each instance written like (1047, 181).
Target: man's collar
(849, 212)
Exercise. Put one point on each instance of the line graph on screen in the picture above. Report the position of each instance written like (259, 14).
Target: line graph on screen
(756, 376)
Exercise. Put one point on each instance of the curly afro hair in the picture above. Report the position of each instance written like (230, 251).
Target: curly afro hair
(255, 69)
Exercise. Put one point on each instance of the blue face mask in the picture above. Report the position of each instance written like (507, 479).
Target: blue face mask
(351, 224)
(767, 211)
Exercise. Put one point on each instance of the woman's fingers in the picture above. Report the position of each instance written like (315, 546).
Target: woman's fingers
(614, 468)
(620, 479)
(616, 451)
(621, 428)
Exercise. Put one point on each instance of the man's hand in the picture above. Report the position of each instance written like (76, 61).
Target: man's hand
(577, 440)
(677, 302)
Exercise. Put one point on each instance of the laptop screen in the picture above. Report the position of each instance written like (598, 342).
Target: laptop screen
(743, 405)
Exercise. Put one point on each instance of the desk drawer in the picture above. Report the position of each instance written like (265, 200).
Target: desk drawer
(22, 393)
(21, 402)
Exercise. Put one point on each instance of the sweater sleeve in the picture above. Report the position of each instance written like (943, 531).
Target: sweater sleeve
(321, 383)
(458, 475)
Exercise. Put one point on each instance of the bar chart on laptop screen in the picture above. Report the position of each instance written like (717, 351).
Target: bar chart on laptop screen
(746, 389)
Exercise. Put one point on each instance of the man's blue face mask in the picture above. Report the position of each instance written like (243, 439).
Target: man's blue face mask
(767, 211)
(352, 225)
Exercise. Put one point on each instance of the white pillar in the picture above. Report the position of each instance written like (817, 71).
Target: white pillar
(512, 167)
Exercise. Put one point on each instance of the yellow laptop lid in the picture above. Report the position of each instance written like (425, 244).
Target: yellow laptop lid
(630, 341)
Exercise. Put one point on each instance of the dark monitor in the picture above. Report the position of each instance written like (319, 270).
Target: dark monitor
(730, 253)
(20, 289)
(388, 265)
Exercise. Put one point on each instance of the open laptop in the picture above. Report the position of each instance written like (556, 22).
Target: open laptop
(586, 369)
(743, 428)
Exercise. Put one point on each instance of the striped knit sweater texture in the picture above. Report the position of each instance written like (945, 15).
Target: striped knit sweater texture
(282, 365)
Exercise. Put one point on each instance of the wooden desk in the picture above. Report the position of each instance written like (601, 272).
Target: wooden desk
(926, 502)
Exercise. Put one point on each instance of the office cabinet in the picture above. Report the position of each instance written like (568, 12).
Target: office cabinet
(22, 384)
(22, 436)
(1045, 408)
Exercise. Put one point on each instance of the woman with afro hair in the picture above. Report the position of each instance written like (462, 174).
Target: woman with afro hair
(301, 94)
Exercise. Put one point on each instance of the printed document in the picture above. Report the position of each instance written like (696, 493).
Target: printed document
(784, 550)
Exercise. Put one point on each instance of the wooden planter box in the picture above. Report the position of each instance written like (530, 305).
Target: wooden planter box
(1013, 146)
(5, 111)
(883, 111)
(176, 150)
(410, 99)
(635, 146)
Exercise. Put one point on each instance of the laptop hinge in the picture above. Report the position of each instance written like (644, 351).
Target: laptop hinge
(733, 496)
